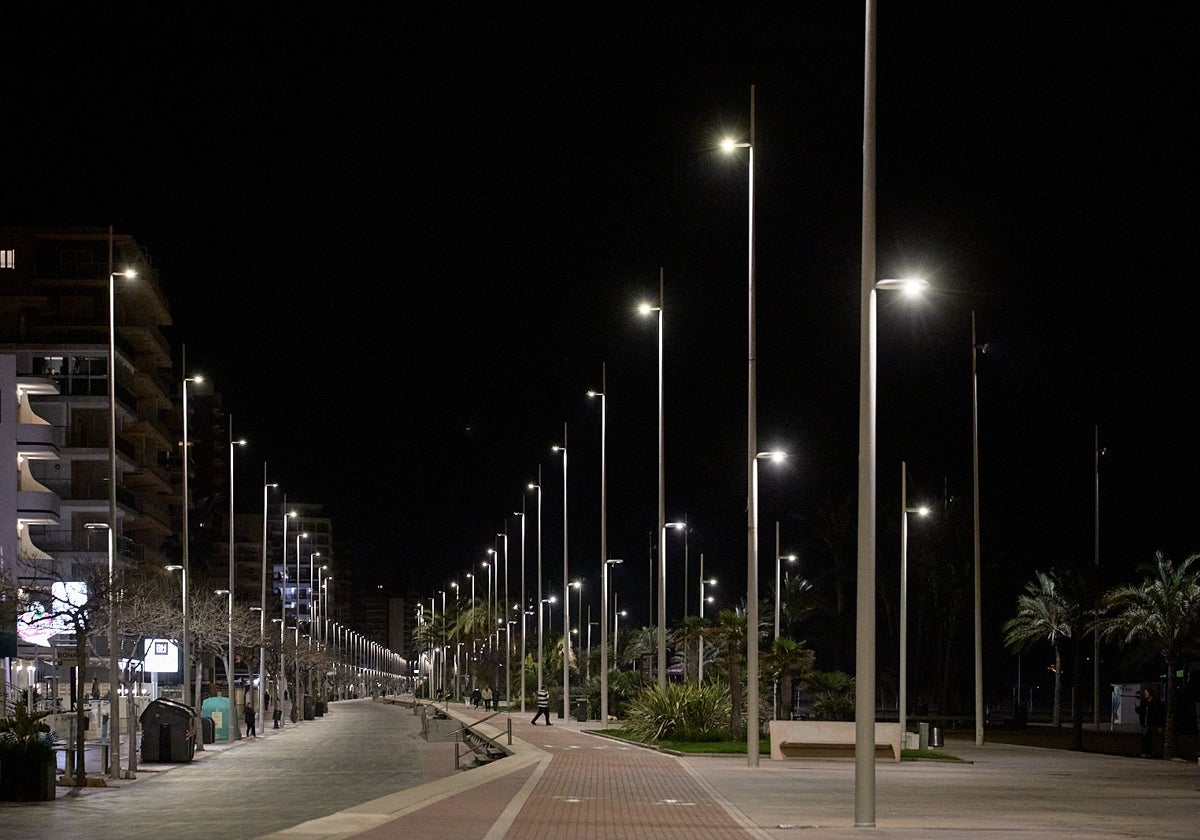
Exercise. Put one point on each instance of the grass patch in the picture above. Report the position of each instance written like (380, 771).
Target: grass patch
(927, 755)
(692, 747)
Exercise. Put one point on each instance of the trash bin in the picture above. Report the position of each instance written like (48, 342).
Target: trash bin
(168, 731)
(208, 728)
(310, 707)
(581, 710)
(320, 708)
(935, 736)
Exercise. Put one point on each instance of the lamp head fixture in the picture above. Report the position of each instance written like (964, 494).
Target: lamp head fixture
(729, 144)
(775, 456)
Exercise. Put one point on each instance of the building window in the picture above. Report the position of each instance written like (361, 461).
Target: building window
(7, 258)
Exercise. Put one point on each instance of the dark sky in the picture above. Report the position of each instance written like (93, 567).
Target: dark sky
(404, 244)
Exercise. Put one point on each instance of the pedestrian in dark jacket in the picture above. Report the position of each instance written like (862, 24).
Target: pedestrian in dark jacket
(249, 713)
(1149, 711)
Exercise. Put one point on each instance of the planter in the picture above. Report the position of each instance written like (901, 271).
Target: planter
(28, 778)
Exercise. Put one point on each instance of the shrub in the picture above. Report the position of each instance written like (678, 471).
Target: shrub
(687, 712)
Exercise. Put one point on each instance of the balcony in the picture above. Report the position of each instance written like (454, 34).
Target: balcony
(36, 441)
(38, 507)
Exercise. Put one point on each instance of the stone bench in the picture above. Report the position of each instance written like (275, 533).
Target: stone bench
(828, 739)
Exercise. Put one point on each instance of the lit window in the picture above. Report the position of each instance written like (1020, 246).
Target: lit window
(7, 258)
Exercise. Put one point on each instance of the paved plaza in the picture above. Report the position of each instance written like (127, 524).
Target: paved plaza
(365, 771)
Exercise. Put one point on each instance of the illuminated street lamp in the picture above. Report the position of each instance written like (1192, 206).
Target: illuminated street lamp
(920, 510)
(608, 565)
(114, 668)
(779, 558)
(296, 690)
(231, 727)
(683, 526)
(262, 606)
(523, 603)
(231, 731)
(541, 651)
(646, 309)
(114, 653)
(752, 611)
(187, 503)
(704, 599)
(566, 699)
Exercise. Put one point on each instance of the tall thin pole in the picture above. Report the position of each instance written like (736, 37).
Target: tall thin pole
(566, 699)
(864, 648)
(752, 479)
(114, 651)
(603, 544)
(903, 600)
(231, 731)
(1096, 624)
(507, 613)
(700, 645)
(662, 507)
(541, 638)
(524, 604)
(975, 513)
(262, 608)
(778, 574)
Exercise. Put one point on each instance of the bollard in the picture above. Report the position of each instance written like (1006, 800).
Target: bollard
(510, 731)
(923, 742)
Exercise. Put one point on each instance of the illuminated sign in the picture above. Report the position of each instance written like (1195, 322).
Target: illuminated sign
(161, 656)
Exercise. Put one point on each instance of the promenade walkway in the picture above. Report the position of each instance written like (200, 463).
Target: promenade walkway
(363, 771)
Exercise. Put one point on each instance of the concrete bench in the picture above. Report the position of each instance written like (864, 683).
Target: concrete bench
(828, 739)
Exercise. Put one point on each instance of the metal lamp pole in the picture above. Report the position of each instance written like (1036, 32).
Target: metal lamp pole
(231, 731)
(604, 559)
(779, 558)
(645, 309)
(521, 514)
(703, 600)
(262, 604)
(538, 487)
(566, 592)
(921, 510)
(187, 656)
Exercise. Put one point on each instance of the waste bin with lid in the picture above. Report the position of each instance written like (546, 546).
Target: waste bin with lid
(935, 736)
(168, 731)
(209, 727)
(581, 710)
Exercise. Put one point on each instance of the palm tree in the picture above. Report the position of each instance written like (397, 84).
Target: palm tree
(1163, 612)
(789, 661)
(1043, 612)
(687, 636)
(729, 641)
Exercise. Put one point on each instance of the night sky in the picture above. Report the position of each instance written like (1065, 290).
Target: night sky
(403, 246)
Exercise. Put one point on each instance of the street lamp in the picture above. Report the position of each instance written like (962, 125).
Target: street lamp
(646, 309)
(231, 731)
(507, 622)
(296, 691)
(184, 653)
(864, 656)
(187, 503)
(566, 699)
(262, 605)
(283, 680)
(487, 565)
(976, 349)
(752, 610)
(703, 600)
(604, 561)
(791, 558)
(232, 725)
(114, 670)
(683, 526)
(605, 570)
(920, 510)
(312, 615)
(617, 624)
(523, 604)
(538, 487)
(752, 463)
(578, 584)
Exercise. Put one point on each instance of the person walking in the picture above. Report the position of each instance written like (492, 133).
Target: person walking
(249, 713)
(543, 705)
(487, 697)
(476, 696)
(1148, 712)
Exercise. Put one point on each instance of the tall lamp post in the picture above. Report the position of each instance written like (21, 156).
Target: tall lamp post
(538, 487)
(751, 461)
(114, 653)
(920, 510)
(604, 665)
(114, 672)
(976, 349)
(646, 309)
(704, 599)
(507, 623)
(604, 560)
(231, 728)
(296, 691)
(752, 611)
(521, 513)
(232, 731)
(262, 605)
(188, 695)
(779, 558)
(566, 698)
(682, 525)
